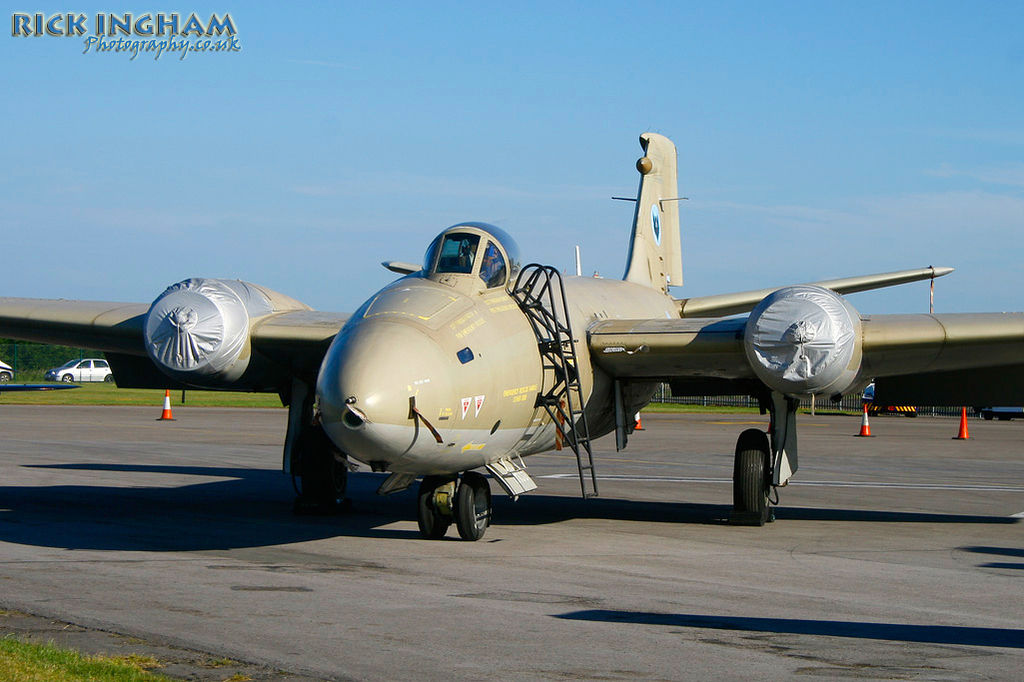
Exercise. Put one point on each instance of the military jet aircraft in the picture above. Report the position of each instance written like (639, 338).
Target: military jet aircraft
(473, 361)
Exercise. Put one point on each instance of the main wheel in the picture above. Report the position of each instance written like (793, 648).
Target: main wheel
(323, 475)
(750, 479)
(473, 506)
(433, 521)
(67, 378)
(109, 379)
(325, 478)
(5, 377)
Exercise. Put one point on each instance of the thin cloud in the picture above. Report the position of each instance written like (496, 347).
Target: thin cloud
(1011, 175)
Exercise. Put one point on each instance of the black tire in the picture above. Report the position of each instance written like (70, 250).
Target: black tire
(750, 479)
(67, 378)
(433, 524)
(325, 478)
(109, 379)
(1004, 417)
(473, 506)
(5, 377)
(323, 475)
(987, 416)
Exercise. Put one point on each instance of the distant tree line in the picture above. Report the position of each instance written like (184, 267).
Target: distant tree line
(33, 359)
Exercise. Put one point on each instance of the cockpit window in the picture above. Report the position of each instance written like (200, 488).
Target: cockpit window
(492, 270)
(458, 252)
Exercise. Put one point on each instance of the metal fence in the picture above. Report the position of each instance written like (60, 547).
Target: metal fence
(30, 361)
(849, 403)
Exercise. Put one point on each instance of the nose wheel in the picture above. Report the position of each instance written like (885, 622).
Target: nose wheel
(439, 503)
(434, 506)
(473, 512)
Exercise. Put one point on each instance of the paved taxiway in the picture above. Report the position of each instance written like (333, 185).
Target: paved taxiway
(898, 556)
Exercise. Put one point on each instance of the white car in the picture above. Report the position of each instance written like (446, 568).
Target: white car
(6, 372)
(92, 369)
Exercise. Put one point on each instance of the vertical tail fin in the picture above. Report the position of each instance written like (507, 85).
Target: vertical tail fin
(655, 257)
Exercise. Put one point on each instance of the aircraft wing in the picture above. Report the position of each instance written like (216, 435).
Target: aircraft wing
(952, 359)
(100, 325)
(700, 356)
(720, 305)
(288, 342)
(297, 339)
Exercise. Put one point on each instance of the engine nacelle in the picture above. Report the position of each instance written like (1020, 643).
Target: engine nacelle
(804, 340)
(197, 331)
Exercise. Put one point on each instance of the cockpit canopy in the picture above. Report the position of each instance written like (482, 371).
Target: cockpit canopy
(474, 248)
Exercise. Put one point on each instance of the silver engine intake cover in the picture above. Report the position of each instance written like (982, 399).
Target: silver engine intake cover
(804, 340)
(197, 331)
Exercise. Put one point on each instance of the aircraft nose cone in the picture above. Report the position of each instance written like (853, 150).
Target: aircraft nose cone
(366, 381)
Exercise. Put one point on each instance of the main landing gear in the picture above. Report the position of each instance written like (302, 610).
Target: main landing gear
(751, 479)
(321, 473)
(319, 470)
(440, 502)
(763, 461)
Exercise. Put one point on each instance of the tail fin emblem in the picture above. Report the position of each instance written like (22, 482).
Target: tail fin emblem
(656, 223)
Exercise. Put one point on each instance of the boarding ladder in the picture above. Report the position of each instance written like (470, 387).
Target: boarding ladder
(540, 293)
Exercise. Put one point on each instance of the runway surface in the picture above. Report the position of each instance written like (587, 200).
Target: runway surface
(895, 557)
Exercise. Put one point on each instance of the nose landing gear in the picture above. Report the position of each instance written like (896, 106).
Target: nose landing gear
(434, 506)
(439, 503)
(473, 511)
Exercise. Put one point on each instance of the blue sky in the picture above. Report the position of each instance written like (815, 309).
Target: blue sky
(815, 140)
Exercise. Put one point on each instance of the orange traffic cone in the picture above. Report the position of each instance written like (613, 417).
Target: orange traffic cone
(963, 425)
(865, 428)
(638, 427)
(167, 407)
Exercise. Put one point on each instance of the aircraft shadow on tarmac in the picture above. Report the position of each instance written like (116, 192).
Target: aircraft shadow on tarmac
(895, 632)
(999, 551)
(253, 508)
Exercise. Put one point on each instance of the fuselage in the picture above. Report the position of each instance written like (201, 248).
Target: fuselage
(443, 356)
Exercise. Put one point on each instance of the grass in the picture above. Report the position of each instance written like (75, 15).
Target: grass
(27, 662)
(676, 407)
(109, 394)
(724, 409)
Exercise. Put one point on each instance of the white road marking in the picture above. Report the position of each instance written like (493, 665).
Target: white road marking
(825, 484)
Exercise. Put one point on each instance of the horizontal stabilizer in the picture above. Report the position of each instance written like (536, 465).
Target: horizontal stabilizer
(720, 305)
